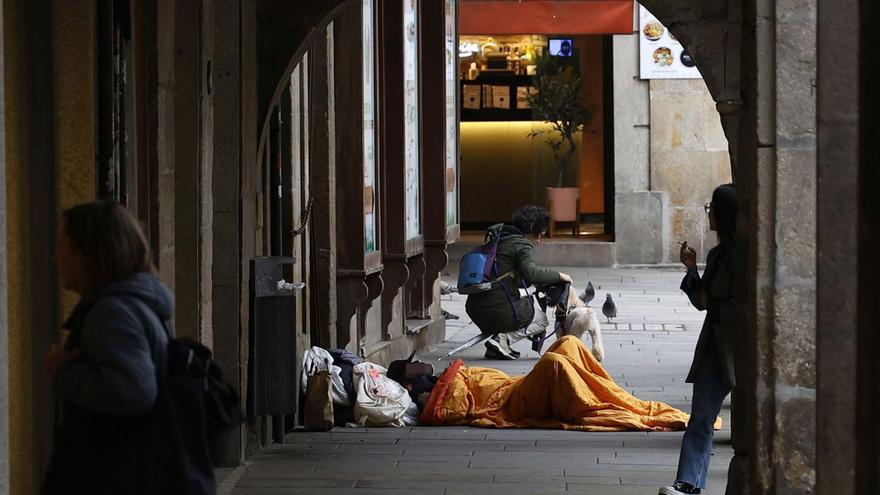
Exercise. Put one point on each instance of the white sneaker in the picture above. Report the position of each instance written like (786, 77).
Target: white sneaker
(678, 488)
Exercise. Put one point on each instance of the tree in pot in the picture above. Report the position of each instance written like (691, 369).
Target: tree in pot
(557, 100)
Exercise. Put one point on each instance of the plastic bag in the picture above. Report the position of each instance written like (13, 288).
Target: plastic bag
(317, 359)
(380, 400)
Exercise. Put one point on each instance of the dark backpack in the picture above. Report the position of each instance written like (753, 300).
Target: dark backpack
(202, 407)
(199, 411)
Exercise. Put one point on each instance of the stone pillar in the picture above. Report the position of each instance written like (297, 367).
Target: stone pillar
(226, 171)
(868, 455)
(322, 151)
(778, 199)
(4, 336)
(165, 157)
(188, 178)
(251, 180)
(838, 108)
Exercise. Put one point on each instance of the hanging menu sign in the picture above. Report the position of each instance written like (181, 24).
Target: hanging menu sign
(661, 56)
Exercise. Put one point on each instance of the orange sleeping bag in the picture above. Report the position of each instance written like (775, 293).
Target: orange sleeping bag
(567, 389)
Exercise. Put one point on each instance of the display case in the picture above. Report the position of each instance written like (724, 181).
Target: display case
(440, 148)
(358, 216)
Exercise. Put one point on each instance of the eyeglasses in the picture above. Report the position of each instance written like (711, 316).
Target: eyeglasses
(707, 207)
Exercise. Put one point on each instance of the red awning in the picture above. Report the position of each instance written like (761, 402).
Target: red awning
(546, 16)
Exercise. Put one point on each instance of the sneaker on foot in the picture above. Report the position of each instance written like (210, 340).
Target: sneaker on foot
(679, 488)
(499, 350)
(504, 340)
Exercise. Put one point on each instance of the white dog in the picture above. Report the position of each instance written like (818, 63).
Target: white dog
(581, 320)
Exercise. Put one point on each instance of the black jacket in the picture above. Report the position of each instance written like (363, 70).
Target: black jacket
(714, 293)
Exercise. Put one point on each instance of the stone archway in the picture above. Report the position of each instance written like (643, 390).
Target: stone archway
(283, 37)
(764, 91)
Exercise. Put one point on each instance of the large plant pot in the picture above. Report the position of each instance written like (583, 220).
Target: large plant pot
(562, 202)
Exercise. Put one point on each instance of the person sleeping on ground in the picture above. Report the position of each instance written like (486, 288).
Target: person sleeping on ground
(567, 389)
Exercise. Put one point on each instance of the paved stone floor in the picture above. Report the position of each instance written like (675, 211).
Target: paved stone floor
(648, 350)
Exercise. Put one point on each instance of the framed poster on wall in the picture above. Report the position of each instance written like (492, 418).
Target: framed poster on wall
(661, 56)
(412, 155)
(451, 44)
(368, 49)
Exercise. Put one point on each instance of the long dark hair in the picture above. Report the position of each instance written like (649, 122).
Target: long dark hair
(724, 209)
(109, 237)
(531, 220)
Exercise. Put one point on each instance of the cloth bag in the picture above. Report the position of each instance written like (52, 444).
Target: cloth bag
(380, 401)
(318, 359)
(318, 410)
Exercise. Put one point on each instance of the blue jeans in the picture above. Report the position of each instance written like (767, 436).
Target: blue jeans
(696, 445)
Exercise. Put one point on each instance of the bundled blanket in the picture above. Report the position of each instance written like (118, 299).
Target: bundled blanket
(567, 389)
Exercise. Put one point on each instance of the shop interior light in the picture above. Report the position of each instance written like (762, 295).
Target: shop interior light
(468, 48)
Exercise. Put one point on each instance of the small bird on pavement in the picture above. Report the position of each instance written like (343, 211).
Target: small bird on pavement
(447, 288)
(609, 309)
(447, 315)
(589, 293)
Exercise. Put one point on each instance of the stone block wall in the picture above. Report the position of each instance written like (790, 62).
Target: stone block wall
(689, 158)
(670, 152)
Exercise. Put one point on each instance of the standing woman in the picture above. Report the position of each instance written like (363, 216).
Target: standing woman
(105, 375)
(712, 371)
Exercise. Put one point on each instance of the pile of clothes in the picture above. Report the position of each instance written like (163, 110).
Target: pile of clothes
(366, 394)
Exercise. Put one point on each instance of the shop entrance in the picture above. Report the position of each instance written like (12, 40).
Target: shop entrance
(507, 145)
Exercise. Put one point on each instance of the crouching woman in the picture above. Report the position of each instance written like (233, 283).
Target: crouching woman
(502, 311)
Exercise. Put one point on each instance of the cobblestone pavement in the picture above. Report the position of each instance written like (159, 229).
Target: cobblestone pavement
(648, 350)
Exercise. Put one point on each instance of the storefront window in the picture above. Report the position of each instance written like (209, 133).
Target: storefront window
(412, 157)
(451, 116)
(369, 98)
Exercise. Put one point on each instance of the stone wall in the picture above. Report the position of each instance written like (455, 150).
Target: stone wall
(689, 158)
(670, 152)
(632, 138)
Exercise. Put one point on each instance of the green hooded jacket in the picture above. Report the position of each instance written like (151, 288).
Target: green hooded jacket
(491, 310)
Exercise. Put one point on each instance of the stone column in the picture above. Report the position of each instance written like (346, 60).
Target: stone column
(322, 151)
(838, 111)
(778, 198)
(188, 178)
(165, 158)
(225, 189)
(4, 338)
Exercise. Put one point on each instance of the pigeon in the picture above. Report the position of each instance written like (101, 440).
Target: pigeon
(589, 293)
(447, 315)
(447, 288)
(609, 309)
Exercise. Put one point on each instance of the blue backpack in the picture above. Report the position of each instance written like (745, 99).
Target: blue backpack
(477, 270)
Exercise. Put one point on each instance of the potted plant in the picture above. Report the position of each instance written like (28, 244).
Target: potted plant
(557, 101)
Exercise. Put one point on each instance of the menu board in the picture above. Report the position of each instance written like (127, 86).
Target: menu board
(369, 97)
(661, 56)
(412, 162)
(451, 116)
